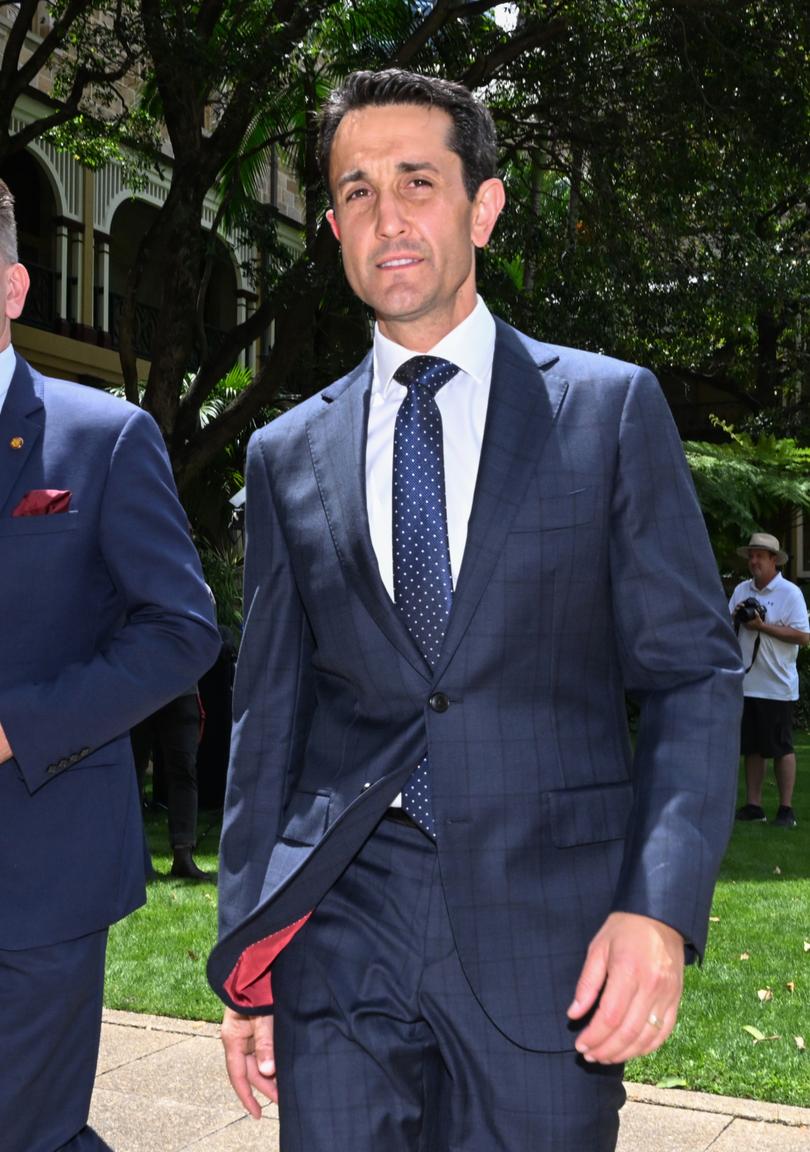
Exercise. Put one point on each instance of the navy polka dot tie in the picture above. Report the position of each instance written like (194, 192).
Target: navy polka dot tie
(423, 585)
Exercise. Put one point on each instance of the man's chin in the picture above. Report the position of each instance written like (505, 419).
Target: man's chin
(394, 314)
(400, 303)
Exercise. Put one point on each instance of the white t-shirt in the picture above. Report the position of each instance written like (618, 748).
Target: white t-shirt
(773, 675)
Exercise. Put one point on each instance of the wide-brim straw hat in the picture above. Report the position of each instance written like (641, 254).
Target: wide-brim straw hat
(766, 541)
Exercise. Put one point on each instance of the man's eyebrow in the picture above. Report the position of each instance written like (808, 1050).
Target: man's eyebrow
(405, 166)
(351, 177)
(418, 166)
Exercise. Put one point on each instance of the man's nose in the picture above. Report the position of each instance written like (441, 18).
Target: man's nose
(391, 220)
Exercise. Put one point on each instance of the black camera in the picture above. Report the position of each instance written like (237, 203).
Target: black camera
(747, 609)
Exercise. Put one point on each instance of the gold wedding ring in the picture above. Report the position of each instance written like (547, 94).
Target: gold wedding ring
(654, 1020)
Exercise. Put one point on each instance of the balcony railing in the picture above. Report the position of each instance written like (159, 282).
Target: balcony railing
(40, 304)
(146, 323)
(147, 320)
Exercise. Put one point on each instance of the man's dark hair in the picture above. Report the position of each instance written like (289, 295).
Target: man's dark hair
(8, 226)
(472, 136)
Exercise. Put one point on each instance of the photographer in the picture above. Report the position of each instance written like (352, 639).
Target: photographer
(770, 618)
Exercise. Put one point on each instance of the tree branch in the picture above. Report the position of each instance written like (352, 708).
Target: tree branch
(533, 36)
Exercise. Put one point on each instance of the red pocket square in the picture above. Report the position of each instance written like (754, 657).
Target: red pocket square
(43, 502)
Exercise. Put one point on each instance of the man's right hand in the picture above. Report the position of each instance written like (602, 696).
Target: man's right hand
(249, 1058)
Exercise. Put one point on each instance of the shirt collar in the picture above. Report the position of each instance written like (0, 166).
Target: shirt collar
(470, 345)
(768, 587)
(8, 362)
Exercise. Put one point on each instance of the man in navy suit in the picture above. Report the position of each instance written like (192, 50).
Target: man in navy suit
(454, 899)
(104, 616)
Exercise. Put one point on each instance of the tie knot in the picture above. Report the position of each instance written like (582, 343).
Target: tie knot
(429, 373)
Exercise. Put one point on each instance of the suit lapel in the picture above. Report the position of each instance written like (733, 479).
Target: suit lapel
(523, 405)
(21, 423)
(337, 444)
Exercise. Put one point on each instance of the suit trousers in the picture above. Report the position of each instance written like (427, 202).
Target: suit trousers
(173, 733)
(380, 1042)
(50, 1022)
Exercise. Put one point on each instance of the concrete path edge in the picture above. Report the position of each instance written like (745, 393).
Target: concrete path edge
(684, 1101)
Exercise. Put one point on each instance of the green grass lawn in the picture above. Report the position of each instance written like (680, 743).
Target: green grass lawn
(762, 911)
(156, 960)
(156, 957)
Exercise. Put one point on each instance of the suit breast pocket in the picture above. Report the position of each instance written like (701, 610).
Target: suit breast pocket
(19, 526)
(548, 511)
(550, 533)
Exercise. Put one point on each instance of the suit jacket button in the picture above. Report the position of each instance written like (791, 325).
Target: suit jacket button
(439, 702)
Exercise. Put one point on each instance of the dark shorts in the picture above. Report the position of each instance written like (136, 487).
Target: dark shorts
(767, 728)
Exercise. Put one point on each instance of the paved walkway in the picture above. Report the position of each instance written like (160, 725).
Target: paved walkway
(161, 1087)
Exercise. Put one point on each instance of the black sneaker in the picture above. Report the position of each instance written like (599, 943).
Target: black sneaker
(752, 812)
(785, 818)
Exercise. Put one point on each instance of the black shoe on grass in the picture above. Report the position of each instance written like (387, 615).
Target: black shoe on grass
(752, 812)
(785, 818)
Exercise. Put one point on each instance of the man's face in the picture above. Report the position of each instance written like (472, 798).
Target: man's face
(405, 223)
(762, 566)
(13, 290)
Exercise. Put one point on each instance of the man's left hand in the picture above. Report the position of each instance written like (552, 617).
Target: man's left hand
(5, 747)
(636, 963)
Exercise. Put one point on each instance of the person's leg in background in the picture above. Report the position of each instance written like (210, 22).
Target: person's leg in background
(141, 738)
(767, 734)
(755, 763)
(785, 771)
(179, 736)
(755, 767)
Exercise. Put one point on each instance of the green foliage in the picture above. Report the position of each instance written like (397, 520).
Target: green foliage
(222, 566)
(82, 55)
(657, 166)
(746, 482)
(626, 129)
(88, 141)
(656, 157)
(207, 501)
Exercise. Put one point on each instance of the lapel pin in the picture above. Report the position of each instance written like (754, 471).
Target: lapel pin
(16, 441)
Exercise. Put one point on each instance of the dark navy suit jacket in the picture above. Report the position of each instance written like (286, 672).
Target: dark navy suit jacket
(587, 574)
(104, 616)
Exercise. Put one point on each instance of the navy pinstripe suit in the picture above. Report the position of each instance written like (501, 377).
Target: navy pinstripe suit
(103, 616)
(587, 574)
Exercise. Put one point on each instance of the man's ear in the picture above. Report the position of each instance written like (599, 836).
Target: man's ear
(333, 224)
(17, 285)
(487, 207)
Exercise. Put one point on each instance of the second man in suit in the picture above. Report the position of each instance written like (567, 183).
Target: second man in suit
(103, 617)
(454, 900)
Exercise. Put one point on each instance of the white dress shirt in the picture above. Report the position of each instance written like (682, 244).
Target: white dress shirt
(8, 362)
(463, 405)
